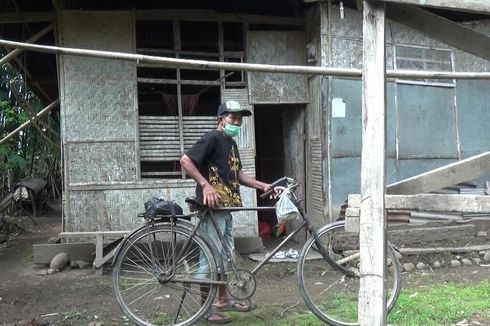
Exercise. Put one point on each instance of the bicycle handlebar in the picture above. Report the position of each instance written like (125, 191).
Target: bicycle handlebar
(273, 185)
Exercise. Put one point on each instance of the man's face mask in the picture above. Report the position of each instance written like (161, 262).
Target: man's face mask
(231, 130)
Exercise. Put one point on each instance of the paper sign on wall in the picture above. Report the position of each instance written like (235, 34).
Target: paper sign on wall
(338, 108)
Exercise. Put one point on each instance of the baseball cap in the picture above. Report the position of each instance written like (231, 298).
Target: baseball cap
(231, 107)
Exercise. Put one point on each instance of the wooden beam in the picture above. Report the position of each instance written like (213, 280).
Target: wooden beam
(411, 235)
(440, 203)
(424, 251)
(372, 235)
(227, 54)
(27, 17)
(432, 203)
(441, 29)
(252, 67)
(476, 6)
(142, 15)
(213, 16)
(181, 81)
(44, 253)
(445, 176)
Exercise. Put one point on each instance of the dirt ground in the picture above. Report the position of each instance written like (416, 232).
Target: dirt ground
(79, 297)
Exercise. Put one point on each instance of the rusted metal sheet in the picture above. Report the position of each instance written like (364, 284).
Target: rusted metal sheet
(468, 62)
(407, 110)
(404, 35)
(473, 115)
(426, 113)
(276, 47)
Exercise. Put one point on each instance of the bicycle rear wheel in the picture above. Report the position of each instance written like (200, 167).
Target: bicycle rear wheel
(150, 291)
(331, 292)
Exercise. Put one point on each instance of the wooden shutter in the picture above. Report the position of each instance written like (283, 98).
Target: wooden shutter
(159, 136)
(314, 156)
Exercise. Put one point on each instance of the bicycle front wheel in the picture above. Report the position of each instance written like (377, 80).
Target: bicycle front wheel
(156, 276)
(331, 290)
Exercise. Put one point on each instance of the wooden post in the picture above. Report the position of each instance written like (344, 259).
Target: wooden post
(99, 251)
(372, 231)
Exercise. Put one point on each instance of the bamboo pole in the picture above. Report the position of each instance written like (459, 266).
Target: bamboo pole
(12, 54)
(25, 124)
(250, 67)
(23, 104)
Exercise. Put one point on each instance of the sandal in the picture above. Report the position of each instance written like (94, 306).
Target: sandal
(233, 306)
(223, 319)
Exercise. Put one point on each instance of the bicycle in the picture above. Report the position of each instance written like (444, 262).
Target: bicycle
(156, 278)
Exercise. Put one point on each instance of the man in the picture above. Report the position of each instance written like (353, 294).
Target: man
(214, 163)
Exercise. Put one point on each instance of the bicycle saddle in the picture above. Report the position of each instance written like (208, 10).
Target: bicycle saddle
(194, 205)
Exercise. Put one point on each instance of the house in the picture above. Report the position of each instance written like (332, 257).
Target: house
(126, 124)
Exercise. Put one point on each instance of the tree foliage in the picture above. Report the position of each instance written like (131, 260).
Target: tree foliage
(28, 152)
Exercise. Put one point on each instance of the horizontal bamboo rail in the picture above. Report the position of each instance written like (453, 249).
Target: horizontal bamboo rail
(250, 67)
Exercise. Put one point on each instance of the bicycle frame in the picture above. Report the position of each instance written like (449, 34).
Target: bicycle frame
(195, 229)
(304, 223)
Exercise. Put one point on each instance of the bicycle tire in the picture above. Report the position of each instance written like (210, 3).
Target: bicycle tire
(143, 297)
(331, 292)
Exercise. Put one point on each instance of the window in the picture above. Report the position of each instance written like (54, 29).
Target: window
(422, 58)
(177, 106)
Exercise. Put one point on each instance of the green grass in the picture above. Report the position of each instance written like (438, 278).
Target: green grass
(342, 308)
(442, 305)
(435, 305)
(271, 317)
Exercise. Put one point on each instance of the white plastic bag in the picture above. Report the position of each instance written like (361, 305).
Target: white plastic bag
(285, 208)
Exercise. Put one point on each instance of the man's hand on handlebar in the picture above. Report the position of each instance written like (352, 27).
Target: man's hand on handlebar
(273, 192)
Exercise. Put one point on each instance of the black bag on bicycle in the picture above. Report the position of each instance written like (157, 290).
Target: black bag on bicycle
(167, 208)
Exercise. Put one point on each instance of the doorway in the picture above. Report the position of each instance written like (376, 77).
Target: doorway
(280, 151)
